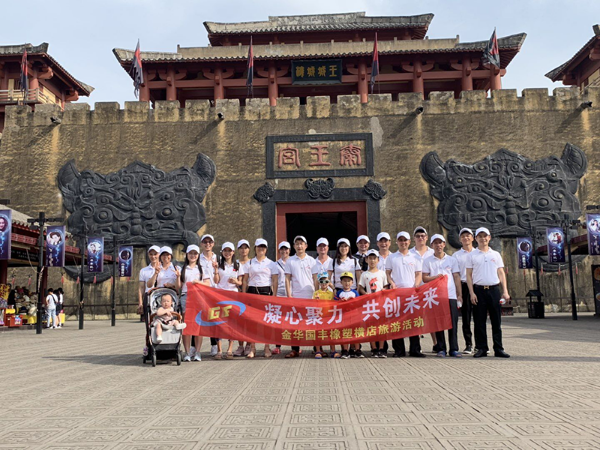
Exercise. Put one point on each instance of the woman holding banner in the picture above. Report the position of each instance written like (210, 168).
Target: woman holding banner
(228, 277)
(260, 278)
(243, 248)
(191, 272)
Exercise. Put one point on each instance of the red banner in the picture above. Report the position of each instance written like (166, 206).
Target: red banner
(383, 315)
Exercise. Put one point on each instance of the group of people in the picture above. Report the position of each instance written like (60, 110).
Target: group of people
(476, 284)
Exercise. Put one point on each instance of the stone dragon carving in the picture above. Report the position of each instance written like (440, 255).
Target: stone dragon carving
(506, 192)
(139, 204)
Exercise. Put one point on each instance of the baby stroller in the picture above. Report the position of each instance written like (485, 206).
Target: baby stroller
(169, 348)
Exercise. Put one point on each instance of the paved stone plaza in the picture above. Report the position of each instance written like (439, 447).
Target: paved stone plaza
(88, 389)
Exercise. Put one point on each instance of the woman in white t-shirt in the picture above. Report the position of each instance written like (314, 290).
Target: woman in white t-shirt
(191, 272)
(344, 262)
(165, 274)
(243, 248)
(228, 277)
(260, 278)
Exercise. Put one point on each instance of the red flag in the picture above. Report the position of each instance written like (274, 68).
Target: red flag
(374, 64)
(136, 70)
(383, 315)
(250, 77)
(491, 54)
(24, 73)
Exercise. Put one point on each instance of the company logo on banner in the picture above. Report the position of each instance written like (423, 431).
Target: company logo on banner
(5, 233)
(95, 254)
(593, 233)
(525, 252)
(390, 314)
(556, 244)
(55, 246)
(125, 260)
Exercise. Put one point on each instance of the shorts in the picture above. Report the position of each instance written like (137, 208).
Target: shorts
(182, 302)
(157, 322)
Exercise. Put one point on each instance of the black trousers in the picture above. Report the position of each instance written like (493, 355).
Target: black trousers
(452, 332)
(467, 312)
(414, 345)
(488, 301)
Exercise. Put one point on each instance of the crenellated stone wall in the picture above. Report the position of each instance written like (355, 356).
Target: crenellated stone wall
(106, 139)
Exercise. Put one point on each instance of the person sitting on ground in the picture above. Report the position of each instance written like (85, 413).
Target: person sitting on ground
(166, 318)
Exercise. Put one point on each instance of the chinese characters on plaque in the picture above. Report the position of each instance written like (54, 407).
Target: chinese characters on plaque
(321, 155)
(317, 71)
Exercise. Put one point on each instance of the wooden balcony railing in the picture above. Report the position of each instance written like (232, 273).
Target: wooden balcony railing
(16, 96)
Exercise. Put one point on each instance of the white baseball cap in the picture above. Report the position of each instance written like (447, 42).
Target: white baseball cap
(156, 248)
(373, 252)
(284, 244)
(242, 242)
(361, 237)
(437, 236)
(343, 241)
(482, 230)
(207, 236)
(465, 230)
(166, 250)
(192, 247)
(421, 229)
(302, 238)
(403, 234)
(228, 245)
(323, 241)
(384, 235)
(261, 241)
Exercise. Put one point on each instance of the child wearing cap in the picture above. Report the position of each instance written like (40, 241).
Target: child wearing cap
(373, 280)
(324, 293)
(345, 294)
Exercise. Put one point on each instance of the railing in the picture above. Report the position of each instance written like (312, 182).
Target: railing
(17, 96)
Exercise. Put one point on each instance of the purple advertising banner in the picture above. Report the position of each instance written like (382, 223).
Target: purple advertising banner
(55, 246)
(593, 233)
(5, 233)
(525, 252)
(556, 244)
(95, 249)
(125, 260)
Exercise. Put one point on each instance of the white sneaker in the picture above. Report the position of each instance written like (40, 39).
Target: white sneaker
(197, 357)
(159, 339)
(187, 358)
(214, 350)
(55, 327)
(180, 326)
(192, 352)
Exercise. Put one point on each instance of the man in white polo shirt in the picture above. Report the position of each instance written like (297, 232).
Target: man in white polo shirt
(403, 270)
(421, 250)
(145, 274)
(384, 242)
(323, 262)
(488, 291)
(362, 242)
(298, 278)
(438, 265)
(466, 239)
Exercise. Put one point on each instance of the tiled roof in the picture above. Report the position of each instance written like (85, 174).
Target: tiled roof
(557, 73)
(320, 22)
(320, 50)
(42, 49)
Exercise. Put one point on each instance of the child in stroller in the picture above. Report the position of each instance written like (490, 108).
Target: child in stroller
(166, 318)
(163, 325)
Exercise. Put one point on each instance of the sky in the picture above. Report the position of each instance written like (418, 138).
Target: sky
(82, 34)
